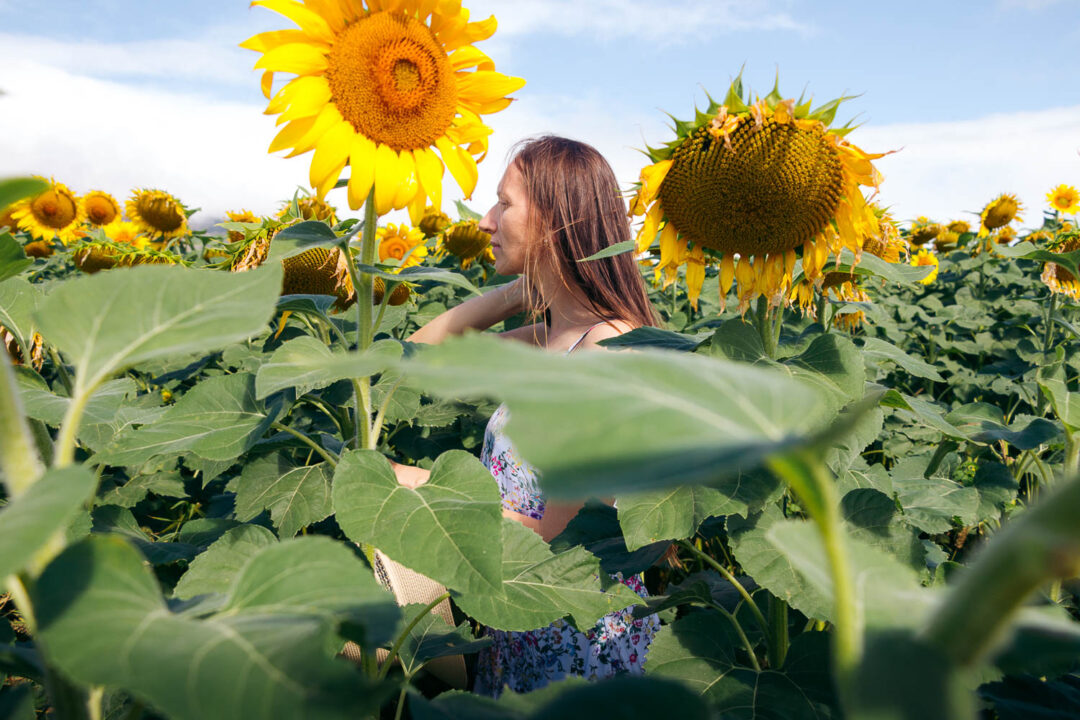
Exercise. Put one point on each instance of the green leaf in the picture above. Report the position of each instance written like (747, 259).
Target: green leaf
(214, 570)
(618, 248)
(640, 420)
(303, 236)
(1052, 382)
(433, 638)
(421, 273)
(19, 300)
(447, 529)
(696, 651)
(1028, 251)
(596, 528)
(48, 506)
(269, 654)
(632, 698)
(882, 351)
(831, 363)
(997, 489)
(654, 337)
(164, 483)
(539, 587)
(307, 364)
(873, 266)
(113, 519)
(874, 519)
(922, 411)
(109, 321)
(12, 258)
(39, 403)
(17, 702)
(672, 513)
(218, 419)
(295, 496)
(737, 340)
(12, 190)
(465, 212)
(1033, 698)
(931, 503)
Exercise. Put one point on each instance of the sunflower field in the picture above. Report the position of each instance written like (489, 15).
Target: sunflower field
(847, 468)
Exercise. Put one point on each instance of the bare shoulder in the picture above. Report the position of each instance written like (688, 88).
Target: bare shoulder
(528, 334)
(610, 329)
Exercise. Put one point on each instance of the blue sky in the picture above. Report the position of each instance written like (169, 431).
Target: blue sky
(981, 96)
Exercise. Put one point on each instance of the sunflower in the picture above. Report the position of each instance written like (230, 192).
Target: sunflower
(126, 232)
(318, 271)
(1057, 278)
(887, 243)
(845, 288)
(923, 230)
(465, 241)
(946, 240)
(924, 258)
(100, 208)
(157, 213)
(382, 84)
(15, 350)
(959, 227)
(1064, 199)
(747, 185)
(55, 213)
(401, 243)
(239, 216)
(1005, 236)
(999, 212)
(95, 255)
(433, 222)
(310, 208)
(39, 248)
(7, 218)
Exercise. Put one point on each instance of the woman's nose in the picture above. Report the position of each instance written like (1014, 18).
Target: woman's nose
(487, 223)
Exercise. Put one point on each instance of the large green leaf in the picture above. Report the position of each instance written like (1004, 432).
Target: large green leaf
(108, 321)
(1066, 404)
(882, 351)
(921, 411)
(307, 364)
(655, 337)
(873, 518)
(304, 236)
(538, 586)
(985, 423)
(696, 651)
(431, 637)
(1028, 251)
(214, 570)
(596, 528)
(599, 423)
(447, 529)
(49, 505)
(15, 189)
(421, 273)
(832, 363)
(13, 259)
(931, 503)
(39, 403)
(671, 514)
(218, 419)
(19, 300)
(268, 654)
(295, 496)
(1034, 698)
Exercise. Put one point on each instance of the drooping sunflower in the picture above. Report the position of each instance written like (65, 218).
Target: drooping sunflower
(999, 212)
(310, 207)
(381, 85)
(7, 218)
(157, 213)
(1057, 278)
(465, 241)
(924, 230)
(100, 208)
(846, 288)
(748, 185)
(922, 259)
(433, 222)
(959, 227)
(401, 243)
(887, 243)
(1064, 199)
(55, 213)
(95, 255)
(318, 271)
(240, 216)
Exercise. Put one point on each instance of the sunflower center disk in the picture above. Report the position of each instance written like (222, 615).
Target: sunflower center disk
(777, 187)
(1001, 214)
(161, 214)
(54, 209)
(391, 80)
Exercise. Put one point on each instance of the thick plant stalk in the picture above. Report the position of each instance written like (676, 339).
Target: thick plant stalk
(362, 283)
(1041, 546)
(19, 459)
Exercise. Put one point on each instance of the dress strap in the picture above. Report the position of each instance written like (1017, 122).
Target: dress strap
(584, 335)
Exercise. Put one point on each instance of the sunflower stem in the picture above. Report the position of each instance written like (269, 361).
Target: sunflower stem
(822, 306)
(326, 454)
(362, 283)
(19, 459)
(765, 328)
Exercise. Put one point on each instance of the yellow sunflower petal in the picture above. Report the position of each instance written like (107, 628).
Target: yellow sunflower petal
(275, 38)
(468, 57)
(485, 86)
(408, 188)
(430, 171)
(362, 164)
(305, 96)
(296, 58)
(289, 135)
(460, 164)
(648, 228)
(387, 178)
(695, 275)
(331, 152)
(327, 118)
(310, 22)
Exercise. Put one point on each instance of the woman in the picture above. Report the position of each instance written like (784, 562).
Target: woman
(558, 202)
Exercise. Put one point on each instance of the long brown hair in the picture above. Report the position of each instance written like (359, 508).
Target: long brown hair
(576, 210)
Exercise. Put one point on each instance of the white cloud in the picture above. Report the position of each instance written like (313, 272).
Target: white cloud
(662, 23)
(946, 169)
(219, 63)
(93, 133)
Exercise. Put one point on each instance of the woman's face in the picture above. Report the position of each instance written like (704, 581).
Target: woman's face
(507, 222)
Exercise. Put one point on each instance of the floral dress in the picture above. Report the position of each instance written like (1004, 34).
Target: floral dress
(525, 661)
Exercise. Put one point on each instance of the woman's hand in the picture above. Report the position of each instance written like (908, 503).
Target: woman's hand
(410, 476)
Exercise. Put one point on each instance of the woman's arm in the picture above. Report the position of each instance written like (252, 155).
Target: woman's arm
(478, 313)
